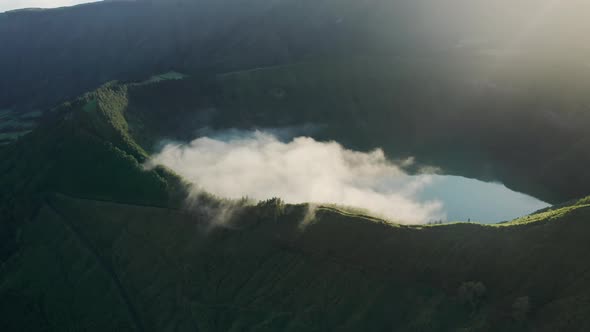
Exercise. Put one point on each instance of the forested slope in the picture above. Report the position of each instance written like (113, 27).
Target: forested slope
(93, 241)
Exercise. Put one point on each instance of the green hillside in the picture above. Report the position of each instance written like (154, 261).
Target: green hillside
(84, 149)
(92, 241)
(454, 117)
(154, 269)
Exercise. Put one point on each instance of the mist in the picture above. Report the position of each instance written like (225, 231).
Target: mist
(259, 166)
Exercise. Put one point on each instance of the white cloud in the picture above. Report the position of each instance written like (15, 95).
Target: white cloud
(260, 166)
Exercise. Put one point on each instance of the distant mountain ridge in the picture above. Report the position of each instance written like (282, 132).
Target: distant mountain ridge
(54, 55)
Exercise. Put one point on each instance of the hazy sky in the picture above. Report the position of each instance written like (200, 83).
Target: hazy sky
(17, 4)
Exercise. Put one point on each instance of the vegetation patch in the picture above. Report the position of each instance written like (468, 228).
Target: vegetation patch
(169, 76)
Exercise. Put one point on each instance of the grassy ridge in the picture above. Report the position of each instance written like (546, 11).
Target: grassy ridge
(262, 272)
(472, 117)
(92, 241)
(84, 149)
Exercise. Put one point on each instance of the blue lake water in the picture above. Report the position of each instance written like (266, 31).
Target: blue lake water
(465, 199)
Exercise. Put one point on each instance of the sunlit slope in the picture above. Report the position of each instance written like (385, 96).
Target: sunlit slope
(517, 122)
(98, 265)
(84, 149)
(93, 241)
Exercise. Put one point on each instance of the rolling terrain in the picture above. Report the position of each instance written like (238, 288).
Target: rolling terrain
(99, 243)
(93, 240)
(462, 97)
(50, 56)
